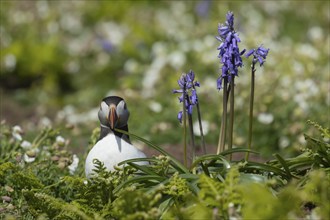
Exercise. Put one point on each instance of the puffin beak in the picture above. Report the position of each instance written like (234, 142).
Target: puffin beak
(113, 117)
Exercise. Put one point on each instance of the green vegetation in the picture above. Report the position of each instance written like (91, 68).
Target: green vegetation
(59, 59)
(214, 187)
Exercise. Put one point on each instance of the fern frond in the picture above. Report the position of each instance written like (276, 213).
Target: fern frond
(43, 203)
(5, 169)
(25, 180)
(210, 190)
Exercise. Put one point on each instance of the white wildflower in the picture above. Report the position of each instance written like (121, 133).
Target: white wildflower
(284, 142)
(71, 22)
(45, 122)
(161, 126)
(152, 75)
(10, 62)
(52, 27)
(131, 66)
(205, 125)
(66, 113)
(155, 107)
(60, 140)
(326, 139)
(177, 59)
(26, 145)
(265, 118)
(16, 133)
(159, 49)
(301, 139)
(198, 45)
(73, 67)
(301, 100)
(42, 9)
(73, 166)
(29, 159)
(308, 51)
(315, 33)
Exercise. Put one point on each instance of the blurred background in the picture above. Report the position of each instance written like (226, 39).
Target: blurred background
(59, 59)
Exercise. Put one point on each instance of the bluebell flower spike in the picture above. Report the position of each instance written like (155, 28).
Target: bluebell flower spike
(259, 55)
(187, 86)
(229, 53)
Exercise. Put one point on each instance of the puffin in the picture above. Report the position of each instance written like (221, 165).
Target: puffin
(112, 147)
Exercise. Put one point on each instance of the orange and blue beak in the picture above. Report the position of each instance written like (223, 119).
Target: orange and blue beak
(112, 117)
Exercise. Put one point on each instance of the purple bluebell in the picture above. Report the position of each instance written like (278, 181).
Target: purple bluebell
(203, 8)
(229, 53)
(180, 116)
(106, 45)
(187, 86)
(259, 55)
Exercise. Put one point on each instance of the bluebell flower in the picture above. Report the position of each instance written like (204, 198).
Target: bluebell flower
(259, 55)
(203, 8)
(229, 53)
(180, 116)
(187, 86)
(106, 45)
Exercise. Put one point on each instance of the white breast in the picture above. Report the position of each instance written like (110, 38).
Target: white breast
(111, 150)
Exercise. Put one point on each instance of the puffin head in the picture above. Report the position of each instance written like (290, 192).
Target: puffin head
(113, 112)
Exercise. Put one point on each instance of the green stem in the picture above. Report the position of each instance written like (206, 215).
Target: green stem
(222, 136)
(201, 127)
(219, 143)
(251, 110)
(231, 115)
(191, 129)
(184, 128)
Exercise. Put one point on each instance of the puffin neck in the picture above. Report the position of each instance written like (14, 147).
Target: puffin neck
(106, 130)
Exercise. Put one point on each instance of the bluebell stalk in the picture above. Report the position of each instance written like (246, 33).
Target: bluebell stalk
(184, 126)
(230, 58)
(201, 128)
(259, 56)
(189, 99)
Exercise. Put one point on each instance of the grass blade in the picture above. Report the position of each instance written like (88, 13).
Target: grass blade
(138, 160)
(237, 150)
(139, 179)
(265, 167)
(210, 157)
(284, 165)
(177, 164)
(142, 168)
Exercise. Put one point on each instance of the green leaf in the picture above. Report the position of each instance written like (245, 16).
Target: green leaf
(255, 166)
(237, 150)
(142, 168)
(250, 177)
(284, 165)
(211, 157)
(138, 160)
(176, 163)
(165, 205)
(139, 179)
